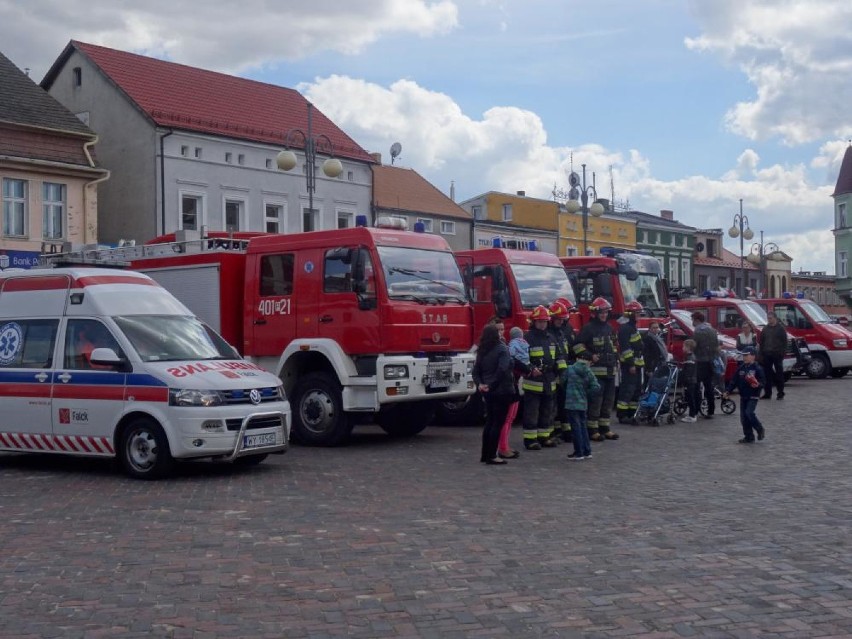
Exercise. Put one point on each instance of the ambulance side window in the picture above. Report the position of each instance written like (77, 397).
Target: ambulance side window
(82, 336)
(276, 275)
(27, 343)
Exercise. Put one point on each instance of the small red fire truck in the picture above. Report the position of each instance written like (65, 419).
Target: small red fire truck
(360, 324)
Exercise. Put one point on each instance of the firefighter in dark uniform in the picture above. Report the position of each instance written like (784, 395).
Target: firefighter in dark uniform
(631, 358)
(597, 338)
(563, 335)
(540, 385)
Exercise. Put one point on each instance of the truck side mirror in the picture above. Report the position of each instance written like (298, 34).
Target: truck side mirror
(108, 357)
(631, 274)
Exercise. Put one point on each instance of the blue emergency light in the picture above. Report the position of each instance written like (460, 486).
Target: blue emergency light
(532, 246)
(360, 220)
(496, 242)
(419, 227)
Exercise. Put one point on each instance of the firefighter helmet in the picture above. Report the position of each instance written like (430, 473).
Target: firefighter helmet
(566, 303)
(633, 307)
(558, 310)
(540, 313)
(600, 304)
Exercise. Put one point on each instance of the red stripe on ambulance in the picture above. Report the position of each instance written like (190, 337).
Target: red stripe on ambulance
(56, 443)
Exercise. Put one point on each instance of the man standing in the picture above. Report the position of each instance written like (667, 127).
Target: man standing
(540, 385)
(706, 349)
(597, 338)
(563, 335)
(632, 362)
(773, 344)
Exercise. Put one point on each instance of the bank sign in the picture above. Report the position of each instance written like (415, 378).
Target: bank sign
(18, 259)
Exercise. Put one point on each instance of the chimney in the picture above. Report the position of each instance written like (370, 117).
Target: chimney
(522, 193)
(453, 190)
(377, 157)
(667, 215)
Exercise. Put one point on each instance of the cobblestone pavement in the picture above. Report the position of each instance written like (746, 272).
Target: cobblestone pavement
(674, 531)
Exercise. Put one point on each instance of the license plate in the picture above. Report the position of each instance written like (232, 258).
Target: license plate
(256, 441)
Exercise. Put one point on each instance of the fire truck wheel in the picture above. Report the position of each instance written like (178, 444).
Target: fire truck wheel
(469, 411)
(144, 450)
(818, 367)
(406, 420)
(318, 417)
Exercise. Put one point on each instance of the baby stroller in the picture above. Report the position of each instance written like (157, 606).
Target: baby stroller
(658, 399)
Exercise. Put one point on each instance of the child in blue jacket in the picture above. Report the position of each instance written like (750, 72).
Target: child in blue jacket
(748, 380)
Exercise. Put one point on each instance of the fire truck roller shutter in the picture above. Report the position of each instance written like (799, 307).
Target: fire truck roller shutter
(196, 286)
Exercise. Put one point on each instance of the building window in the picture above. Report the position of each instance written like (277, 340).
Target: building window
(590, 252)
(507, 212)
(841, 215)
(711, 247)
(685, 278)
(571, 251)
(722, 281)
(842, 260)
(310, 219)
(14, 207)
(427, 224)
(228, 157)
(77, 74)
(673, 271)
(241, 159)
(448, 228)
(233, 215)
(344, 219)
(53, 201)
(184, 150)
(477, 212)
(702, 283)
(191, 208)
(268, 163)
(198, 152)
(273, 218)
(350, 176)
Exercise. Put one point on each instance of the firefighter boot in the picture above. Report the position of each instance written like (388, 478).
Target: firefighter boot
(611, 435)
(595, 436)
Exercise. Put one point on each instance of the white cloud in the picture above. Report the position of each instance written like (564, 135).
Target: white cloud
(222, 36)
(506, 149)
(798, 56)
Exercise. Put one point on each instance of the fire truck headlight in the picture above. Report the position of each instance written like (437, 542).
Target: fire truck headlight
(840, 343)
(190, 397)
(396, 371)
(470, 367)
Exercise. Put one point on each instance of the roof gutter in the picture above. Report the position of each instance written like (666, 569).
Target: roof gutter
(103, 178)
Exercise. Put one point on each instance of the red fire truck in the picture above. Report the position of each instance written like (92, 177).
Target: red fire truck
(509, 284)
(620, 277)
(360, 324)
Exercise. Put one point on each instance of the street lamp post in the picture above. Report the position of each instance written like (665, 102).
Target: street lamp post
(758, 254)
(286, 159)
(579, 189)
(741, 229)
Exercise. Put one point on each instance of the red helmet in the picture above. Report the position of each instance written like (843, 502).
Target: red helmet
(558, 310)
(565, 302)
(540, 313)
(633, 307)
(600, 304)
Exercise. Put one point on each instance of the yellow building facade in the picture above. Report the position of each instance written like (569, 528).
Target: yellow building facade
(606, 230)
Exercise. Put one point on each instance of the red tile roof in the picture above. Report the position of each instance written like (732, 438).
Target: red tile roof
(406, 190)
(182, 97)
(727, 260)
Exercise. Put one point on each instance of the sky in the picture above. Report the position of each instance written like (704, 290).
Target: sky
(687, 105)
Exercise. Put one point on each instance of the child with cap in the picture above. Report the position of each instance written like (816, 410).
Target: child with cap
(748, 380)
(519, 351)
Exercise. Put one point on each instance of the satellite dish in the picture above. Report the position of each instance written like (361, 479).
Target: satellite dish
(395, 150)
(699, 247)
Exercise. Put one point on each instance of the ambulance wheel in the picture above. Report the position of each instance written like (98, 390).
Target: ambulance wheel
(318, 417)
(818, 367)
(250, 460)
(144, 450)
(406, 420)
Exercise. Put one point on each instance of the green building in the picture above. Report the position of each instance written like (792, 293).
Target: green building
(670, 241)
(842, 231)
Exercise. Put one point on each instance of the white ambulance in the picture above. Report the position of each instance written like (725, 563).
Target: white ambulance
(103, 362)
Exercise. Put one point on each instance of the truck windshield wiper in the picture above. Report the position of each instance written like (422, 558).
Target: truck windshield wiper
(419, 275)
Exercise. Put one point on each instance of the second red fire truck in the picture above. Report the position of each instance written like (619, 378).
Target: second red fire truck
(361, 324)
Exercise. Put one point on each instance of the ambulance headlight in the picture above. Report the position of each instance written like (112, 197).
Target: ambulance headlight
(190, 397)
(396, 371)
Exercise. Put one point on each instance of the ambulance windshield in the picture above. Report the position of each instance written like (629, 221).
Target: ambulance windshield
(421, 275)
(171, 338)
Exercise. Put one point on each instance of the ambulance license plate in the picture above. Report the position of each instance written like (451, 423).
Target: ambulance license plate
(256, 441)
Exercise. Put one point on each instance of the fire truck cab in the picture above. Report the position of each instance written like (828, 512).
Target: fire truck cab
(360, 324)
(106, 363)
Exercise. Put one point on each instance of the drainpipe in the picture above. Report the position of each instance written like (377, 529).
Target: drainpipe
(163, 184)
(86, 186)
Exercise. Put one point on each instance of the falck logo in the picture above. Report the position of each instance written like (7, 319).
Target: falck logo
(254, 396)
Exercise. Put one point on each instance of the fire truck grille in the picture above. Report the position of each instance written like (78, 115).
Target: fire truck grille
(254, 423)
(241, 395)
(439, 375)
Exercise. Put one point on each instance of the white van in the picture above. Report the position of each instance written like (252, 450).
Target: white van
(107, 363)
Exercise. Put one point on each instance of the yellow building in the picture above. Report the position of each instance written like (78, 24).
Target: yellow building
(515, 218)
(609, 229)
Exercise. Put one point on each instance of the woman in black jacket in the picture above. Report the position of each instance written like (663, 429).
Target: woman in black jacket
(492, 373)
